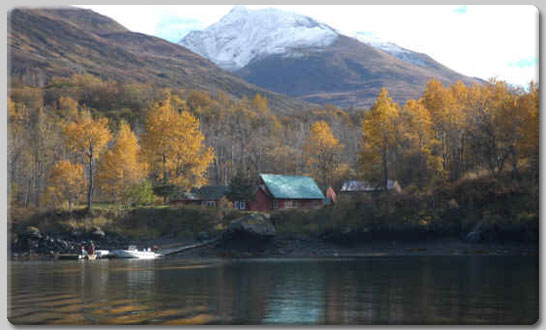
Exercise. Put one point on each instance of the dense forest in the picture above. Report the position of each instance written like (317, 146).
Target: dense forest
(83, 139)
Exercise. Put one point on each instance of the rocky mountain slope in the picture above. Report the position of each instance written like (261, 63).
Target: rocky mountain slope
(43, 43)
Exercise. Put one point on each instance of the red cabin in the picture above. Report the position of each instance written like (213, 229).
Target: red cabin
(276, 192)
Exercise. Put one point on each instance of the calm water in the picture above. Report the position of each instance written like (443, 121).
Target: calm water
(376, 290)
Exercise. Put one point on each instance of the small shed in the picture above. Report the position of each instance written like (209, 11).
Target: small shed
(205, 196)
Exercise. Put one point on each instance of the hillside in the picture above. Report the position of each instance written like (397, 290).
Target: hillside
(43, 43)
(298, 56)
(348, 73)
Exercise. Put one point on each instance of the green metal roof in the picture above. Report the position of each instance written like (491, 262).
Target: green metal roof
(292, 186)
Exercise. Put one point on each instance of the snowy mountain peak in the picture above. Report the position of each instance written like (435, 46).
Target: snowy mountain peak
(393, 49)
(238, 8)
(244, 35)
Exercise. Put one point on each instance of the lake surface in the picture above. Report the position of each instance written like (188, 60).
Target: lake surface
(376, 290)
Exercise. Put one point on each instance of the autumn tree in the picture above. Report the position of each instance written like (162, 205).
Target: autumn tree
(18, 121)
(419, 161)
(528, 147)
(173, 144)
(121, 167)
(447, 111)
(379, 137)
(199, 101)
(88, 137)
(259, 104)
(68, 107)
(65, 183)
(322, 150)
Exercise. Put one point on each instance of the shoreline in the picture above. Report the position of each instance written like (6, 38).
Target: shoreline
(288, 247)
(294, 246)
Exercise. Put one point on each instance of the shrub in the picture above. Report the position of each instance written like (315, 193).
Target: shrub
(140, 193)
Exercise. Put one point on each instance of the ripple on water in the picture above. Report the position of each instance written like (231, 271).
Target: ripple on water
(363, 291)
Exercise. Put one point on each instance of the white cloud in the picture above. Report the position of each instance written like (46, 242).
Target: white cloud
(479, 41)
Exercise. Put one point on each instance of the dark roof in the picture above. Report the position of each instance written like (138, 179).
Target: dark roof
(203, 193)
(210, 192)
(292, 186)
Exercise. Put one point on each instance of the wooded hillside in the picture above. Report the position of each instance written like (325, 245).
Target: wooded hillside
(120, 140)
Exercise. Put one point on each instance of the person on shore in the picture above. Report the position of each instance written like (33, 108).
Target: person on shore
(91, 250)
(83, 252)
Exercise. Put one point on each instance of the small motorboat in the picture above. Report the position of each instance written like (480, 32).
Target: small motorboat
(133, 253)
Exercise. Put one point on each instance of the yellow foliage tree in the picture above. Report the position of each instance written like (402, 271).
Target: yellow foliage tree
(174, 146)
(528, 108)
(121, 166)
(69, 107)
(447, 111)
(88, 137)
(380, 134)
(259, 103)
(322, 150)
(65, 183)
(420, 164)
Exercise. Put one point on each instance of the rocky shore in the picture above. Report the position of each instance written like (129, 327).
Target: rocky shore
(254, 236)
(33, 244)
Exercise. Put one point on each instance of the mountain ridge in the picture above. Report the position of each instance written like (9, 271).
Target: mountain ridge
(332, 68)
(43, 43)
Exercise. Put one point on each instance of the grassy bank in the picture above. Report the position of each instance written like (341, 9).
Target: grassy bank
(497, 208)
(146, 222)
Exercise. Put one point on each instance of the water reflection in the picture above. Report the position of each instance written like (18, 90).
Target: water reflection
(377, 290)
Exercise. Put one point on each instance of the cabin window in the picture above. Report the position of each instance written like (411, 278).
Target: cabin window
(275, 204)
(240, 205)
(290, 204)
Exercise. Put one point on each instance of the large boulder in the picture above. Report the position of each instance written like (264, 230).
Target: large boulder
(255, 225)
(98, 233)
(32, 232)
(251, 231)
(473, 237)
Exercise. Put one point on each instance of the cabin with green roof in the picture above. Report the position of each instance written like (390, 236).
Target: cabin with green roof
(276, 192)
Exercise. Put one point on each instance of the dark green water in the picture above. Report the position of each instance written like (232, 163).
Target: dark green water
(376, 290)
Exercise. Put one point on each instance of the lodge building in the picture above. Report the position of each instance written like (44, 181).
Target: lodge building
(277, 192)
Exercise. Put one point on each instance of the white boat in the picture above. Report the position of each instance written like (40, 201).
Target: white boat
(102, 253)
(133, 253)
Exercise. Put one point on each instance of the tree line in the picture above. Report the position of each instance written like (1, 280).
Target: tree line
(84, 138)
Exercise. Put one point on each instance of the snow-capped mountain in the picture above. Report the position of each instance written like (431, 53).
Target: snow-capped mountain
(245, 35)
(404, 54)
(298, 56)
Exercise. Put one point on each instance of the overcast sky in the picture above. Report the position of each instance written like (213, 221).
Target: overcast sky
(479, 41)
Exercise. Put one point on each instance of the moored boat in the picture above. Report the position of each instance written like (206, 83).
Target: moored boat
(133, 253)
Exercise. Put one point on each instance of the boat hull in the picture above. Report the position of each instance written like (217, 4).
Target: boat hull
(132, 254)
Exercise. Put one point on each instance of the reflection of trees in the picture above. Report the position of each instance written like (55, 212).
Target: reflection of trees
(375, 290)
(430, 290)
